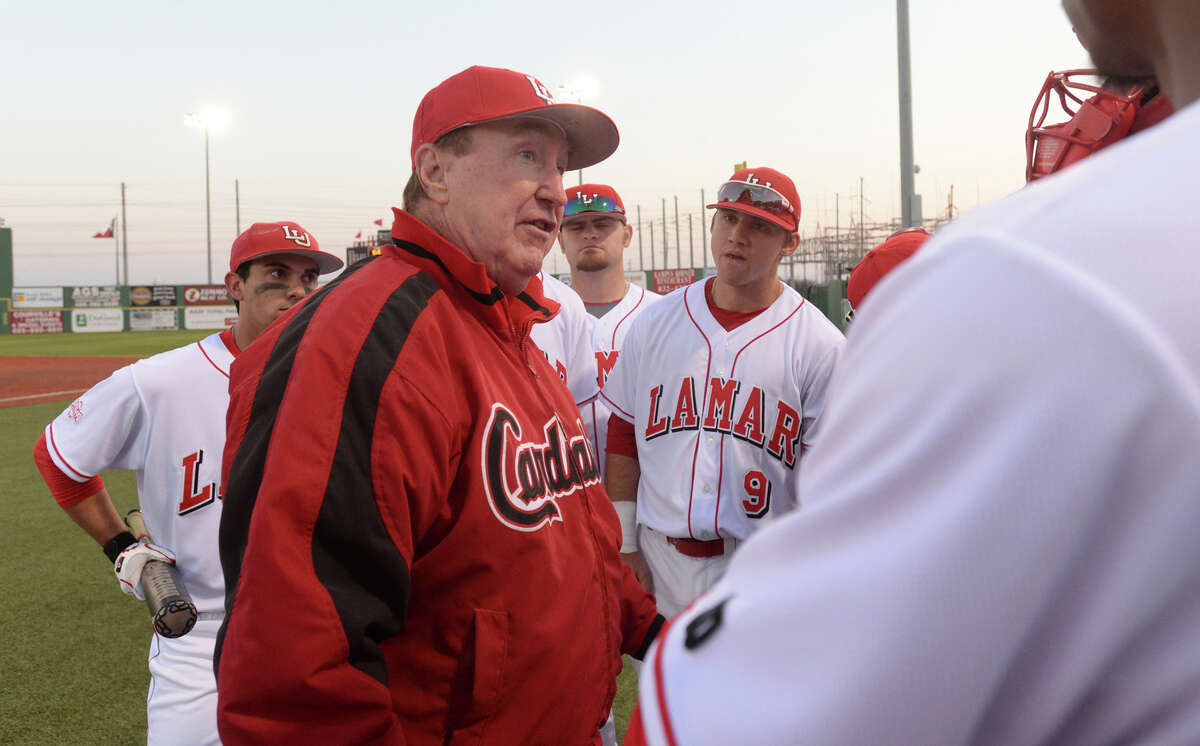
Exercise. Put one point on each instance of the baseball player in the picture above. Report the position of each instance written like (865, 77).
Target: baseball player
(880, 260)
(431, 558)
(164, 417)
(718, 388)
(997, 545)
(594, 236)
(567, 341)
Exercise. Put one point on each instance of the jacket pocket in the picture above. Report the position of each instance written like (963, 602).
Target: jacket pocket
(485, 657)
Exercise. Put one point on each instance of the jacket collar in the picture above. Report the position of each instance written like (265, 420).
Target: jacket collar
(418, 244)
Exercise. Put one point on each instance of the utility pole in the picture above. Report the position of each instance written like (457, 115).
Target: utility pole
(664, 211)
(651, 232)
(904, 66)
(641, 257)
(862, 234)
(678, 258)
(237, 208)
(124, 237)
(691, 243)
(703, 232)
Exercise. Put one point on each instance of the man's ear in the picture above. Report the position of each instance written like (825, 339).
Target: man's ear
(628, 234)
(235, 286)
(791, 244)
(430, 168)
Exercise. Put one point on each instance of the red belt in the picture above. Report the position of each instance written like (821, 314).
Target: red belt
(697, 548)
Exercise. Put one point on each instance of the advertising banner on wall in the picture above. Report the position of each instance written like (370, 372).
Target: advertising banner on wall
(153, 319)
(37, 297)
(209, 317)
(96, 297)
(158, 295)
(98, 320)
(666, 280)
(37, 322)
(205, 295)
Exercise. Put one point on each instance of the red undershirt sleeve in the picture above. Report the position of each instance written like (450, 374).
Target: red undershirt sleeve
(621, 438)
(67, 492)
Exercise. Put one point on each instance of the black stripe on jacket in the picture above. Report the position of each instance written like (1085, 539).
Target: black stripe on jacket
(246, 468)
(353, 554)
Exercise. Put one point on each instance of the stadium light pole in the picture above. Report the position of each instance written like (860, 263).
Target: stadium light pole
(576, 91)
(906, 135)
(207, 120)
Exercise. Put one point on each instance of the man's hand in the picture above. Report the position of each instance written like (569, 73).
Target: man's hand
(640, 570)
(130, 562)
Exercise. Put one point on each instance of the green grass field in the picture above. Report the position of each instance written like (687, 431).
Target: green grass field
(114, 344)
(73, 669)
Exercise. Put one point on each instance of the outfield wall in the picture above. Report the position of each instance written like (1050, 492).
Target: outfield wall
(110, 308)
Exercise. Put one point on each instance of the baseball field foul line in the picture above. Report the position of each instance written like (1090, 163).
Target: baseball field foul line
(39, 396)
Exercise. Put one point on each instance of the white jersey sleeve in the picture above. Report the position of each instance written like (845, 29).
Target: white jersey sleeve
(997, 544)
(105, 428)
(567, 341)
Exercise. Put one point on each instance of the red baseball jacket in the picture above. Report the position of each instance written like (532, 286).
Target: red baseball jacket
(416, 543)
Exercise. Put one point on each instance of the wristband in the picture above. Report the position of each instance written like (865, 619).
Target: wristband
(118, 544)
(627, 512)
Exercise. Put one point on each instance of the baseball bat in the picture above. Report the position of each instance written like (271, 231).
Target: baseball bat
(171, 608)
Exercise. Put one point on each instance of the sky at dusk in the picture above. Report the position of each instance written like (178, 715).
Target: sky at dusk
(320, 99)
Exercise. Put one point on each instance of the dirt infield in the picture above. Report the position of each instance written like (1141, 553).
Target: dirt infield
(34, 380)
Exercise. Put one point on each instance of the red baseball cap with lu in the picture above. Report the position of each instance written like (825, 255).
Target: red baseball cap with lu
(285, 237)
(486, 94)
(881, 260)
(764, 193)
(593, 199)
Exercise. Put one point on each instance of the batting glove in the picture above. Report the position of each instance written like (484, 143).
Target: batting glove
(130, 562)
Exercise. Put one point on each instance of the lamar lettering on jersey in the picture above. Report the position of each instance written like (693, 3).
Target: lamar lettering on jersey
(724, 397)
(195, 497)
(524, 479)
(604, 365)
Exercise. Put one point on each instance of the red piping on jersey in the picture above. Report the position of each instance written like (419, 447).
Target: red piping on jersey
(732, 371)
(210, 360)
(659, 694)
(615, 408)
(60, 456)
(613, 343)
(595, 433)
(703, 407)
(230, 343)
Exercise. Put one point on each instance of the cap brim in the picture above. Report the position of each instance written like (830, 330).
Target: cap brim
(326, 263)
(591, 213)
(770, 217)
(591, 135)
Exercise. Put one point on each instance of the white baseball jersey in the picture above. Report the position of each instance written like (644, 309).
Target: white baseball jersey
(164, 418)
(608, 334)
(567, 340)
(720, 416)
(998, 542)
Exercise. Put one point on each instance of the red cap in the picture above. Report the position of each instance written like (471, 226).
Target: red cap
(593, 199)
(881, 260)
(485, 94)
(786, 216)
(284, 237)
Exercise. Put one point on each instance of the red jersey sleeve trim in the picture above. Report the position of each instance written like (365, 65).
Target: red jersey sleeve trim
(67, 492)
(62, 458)
(621, 438)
